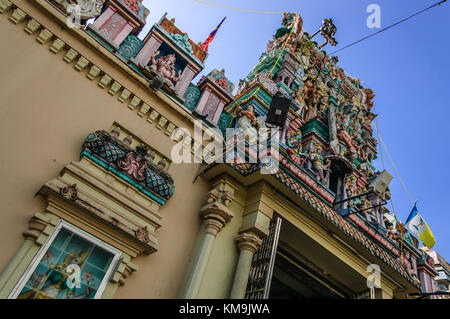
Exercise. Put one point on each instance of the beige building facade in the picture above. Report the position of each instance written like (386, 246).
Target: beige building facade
(95, 206)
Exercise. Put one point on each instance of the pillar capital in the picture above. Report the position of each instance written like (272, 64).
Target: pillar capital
(215, 212)
(248, 241)
(216, 215)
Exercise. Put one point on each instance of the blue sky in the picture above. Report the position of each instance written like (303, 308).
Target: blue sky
(406, 66)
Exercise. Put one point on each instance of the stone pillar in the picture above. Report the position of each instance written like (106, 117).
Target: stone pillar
(105, 16)
(215, 216)
(248, 244)
(218, 112)
(202, 102)
(150, 47)
(186, 78)
(123, 33)
(38, 231)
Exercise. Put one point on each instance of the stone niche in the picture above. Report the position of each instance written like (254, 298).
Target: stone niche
(166, 42)
(217, 91)
(119, 18)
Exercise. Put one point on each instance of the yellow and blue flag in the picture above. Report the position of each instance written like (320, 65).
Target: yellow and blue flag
(420, 228)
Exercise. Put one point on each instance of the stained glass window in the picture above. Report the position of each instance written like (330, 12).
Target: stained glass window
(70, 267)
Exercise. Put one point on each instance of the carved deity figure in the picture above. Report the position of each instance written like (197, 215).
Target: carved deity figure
(356, 130)
(291, 26)
(350, 186)
(165, 66)
(391, 233)
(295, 148)
(248, 122)
(318, 165)
(307, 96)
(343, 130)
(405, 260)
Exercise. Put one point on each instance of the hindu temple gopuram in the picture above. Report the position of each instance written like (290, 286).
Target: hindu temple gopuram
(94, 205)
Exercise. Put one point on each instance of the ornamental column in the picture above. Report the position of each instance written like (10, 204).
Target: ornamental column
(248, 244)
(215, 215)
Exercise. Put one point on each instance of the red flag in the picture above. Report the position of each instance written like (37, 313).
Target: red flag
(211, 36)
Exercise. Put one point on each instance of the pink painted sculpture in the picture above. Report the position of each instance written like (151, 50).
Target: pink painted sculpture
(165, 66)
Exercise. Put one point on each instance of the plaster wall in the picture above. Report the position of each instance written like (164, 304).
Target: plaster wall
(47, 108)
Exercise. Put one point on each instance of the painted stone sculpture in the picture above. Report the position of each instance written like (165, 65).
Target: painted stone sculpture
(291, 25)
(86, 9)
(249, 123)
(165, 66)
(344, 135)
(318, 165)
(295, 148)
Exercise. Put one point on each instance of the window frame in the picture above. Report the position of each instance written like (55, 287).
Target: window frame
(62, 224)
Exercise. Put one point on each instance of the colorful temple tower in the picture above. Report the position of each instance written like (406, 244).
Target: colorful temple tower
(113, 112)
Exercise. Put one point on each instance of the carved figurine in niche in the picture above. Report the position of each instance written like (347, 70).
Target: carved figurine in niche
(365, 204)
(405, 260)
(304, 52)
(391, 232)
(332, 68)
(322, 89)
(291, 22)
(165, 66)
(242, 86)
(356, 130)
(309, 98)
(311, 112)
(248, 122)
(318, 165)
(350, 186)
(297, 95)
(344, 135)
(323, 106)
(356, 101)
(295, 148)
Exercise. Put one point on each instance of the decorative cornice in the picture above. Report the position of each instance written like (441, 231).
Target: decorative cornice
(134, 166)
(95, 72)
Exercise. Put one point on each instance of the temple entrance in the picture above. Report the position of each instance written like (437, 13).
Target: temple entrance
(292, 279)
(290, 265)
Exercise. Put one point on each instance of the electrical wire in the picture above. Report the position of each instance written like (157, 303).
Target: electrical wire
(393, 164)
(389, 27)
(381, 142)
(404, 186)
(238, 9)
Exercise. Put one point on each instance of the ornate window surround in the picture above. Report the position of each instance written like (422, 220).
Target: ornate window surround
(92, 239)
